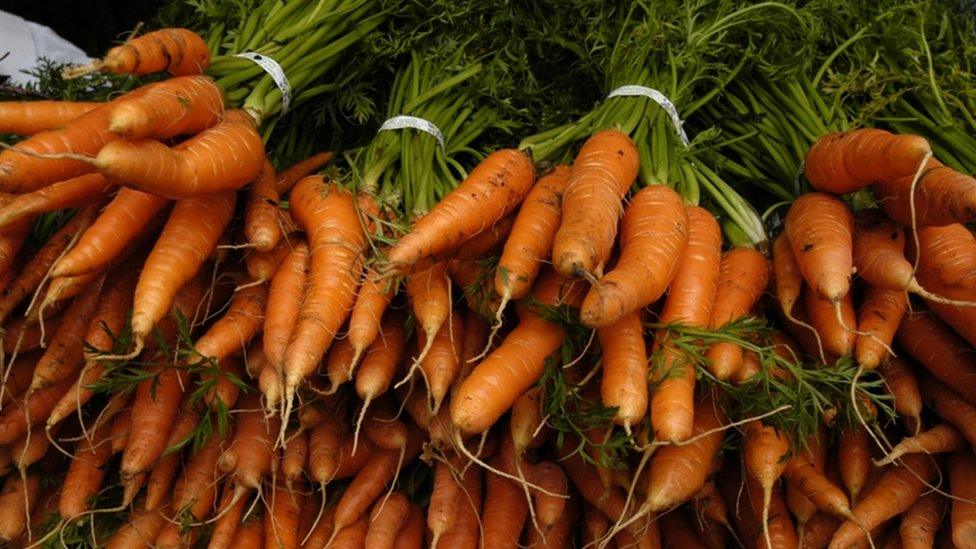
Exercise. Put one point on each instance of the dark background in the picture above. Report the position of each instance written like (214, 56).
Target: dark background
(92, 25)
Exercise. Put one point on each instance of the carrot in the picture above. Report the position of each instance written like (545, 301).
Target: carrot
(178, 106)
(250, 456)
(473, 278)
(877, 320)
(12, 239)
(837, 338)
(352, 460)
(381, 362)
(261, 226)
(879, 252)
(596, 526)
(387, 519)
(430, 298)
(443, 361)
(61, 290)
(944, 354)
(743, 277)
(232, 331)
(819, 529)
(903, 387)
(72, 193)
(490, 192)
(678, 472)
(250, 534)
(294, 457)
(121, 428)
(383, 428)
(140, 529)
(505, 511)
(324, 445)
(624, 385)
(33, 273)
(190, 234)
(942, 196)
(780, 532)
(896, 491)
(466, 531)
(352, 536)
(939, 439)
(177, 51)
(763, 455)
(17, 377)
(950, 406)
(653, 236)
(530, 242)
(262, 266)
(844, 162)
(161, 477)
(947, 254)
(154, 408)
(411, 536)
(820, 229)
(230, 511)
(119, 224)
(487, 243)
(287, 178)
(854, 466)
(30, 117)
(445, 501)
(336, 240)
(561, 534)
(222, 158)
(18, 497)
(28, 410)
(364, 322)
(65, 353)
(552, 506)
(196, 489)
(281, 518)
(602, 172)
(807, 479)
(921, 521)
(85, 473)
(677, 532)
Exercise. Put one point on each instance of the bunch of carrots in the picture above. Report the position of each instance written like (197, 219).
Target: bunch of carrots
(430, 345)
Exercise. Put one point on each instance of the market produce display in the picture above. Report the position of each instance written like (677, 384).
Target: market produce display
(730, 302)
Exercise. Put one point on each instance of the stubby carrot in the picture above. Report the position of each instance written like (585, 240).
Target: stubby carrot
(743, 277)
(844, 162)
(942, 196)
(625, 372)
(261, 227)
(181, 105)
(820, 229)
(175, 50)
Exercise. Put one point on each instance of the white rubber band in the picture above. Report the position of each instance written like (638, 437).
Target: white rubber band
(273, 69)
(414, 123)
(659, 98)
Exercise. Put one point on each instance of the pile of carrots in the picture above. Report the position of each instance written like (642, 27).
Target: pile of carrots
(210, 352)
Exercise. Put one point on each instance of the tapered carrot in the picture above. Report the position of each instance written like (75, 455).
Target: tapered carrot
(677, 532)
(179, 106)
(250, 534)
(939, 439)
(921, 521)
(901, 384)
(466, 530)
(386, 520)
(30, 117)
(445, 501)
(281, 518)
(472, 277)
(222, 158)
(154, 408)
(552, 496)
(530, 243)
(625, 384)
(653, 236)
(18, 377)
(12, 239)
(18, 497)
(29, 410)
(121, 428)
(877, 320)
(562, 532)
(879, 252)
(411, 536)
(896, 491)
(844, 162)
(123, 219)
(779, 532)
(139, 530)
(85, 473)
(942, 196)
(743, 277)
(602, 172)
(249, 457)
(837, 338)
(61, 290)
(430, 298)
(72, 193)
(947, 254)
(364, 323)
(854, 466)
(190, 234)
(944, 354)
(490, 192)
(161, 478)
(378, 368)
(950, 406)
(261, 227)
(175, 50)
(813, 484)
(487, 243)
(336, 240)
(324, 445)
(232, 331)
(65, 354)
(443, 361)
(287, 178)
(763, 452)
(678, 472)
(505, 511)
(820, 229)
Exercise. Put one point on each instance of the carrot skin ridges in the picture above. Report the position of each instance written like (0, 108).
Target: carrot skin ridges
(77, 191)
(837, 339)
(179, 51)
(534, 230)
(490, 192)
(944, 354)
(602, 172)
(820, 229)
(920, 523)
(844, 162)
(950, 406)
(743, 277)
(261, 227)
(879, 251)
(901, 383)
(181, 105)
(947, 254)
(939, 439)
(880, 315)
(624, 385)
(288, 177)
(30, 117)
(653, 235)
(942, 196)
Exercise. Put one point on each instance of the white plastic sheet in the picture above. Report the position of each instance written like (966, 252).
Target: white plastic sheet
(24, 43)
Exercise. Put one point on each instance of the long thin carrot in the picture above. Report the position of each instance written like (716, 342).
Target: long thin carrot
(251, 453)
(505, 511)
(154, 408)
(625, 384)
(175, 50)
(411, 536)
(844, 162)
(65, 354)
(430, 298)
(30, 117)
(386, 520)
(653, 236)
(921, 521)
(72, 193)
(378, 368)
(443, 362)
(743, 277)
(232, 331)
(763, 452)
(161, 478)
(85, 474)
(944, 354)
(901, 383)
(221, 158)
(28, 410)
(855, 465)
(196, 489)
(878, 318)
(490, 192)
(364, 323)
(813, 484)
(466, 530)
(820, 229)
(178, 106)
(288, 177)
(261, 227)
(779, 530)
(939, 439)
(18, 497)
(602, 172)
(281, 518)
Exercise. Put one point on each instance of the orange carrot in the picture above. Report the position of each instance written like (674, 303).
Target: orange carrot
(262, 266)
(161, 478)
(222, 158)
(896, 491)
(780, 531)
(121, 428)
(921, 521)
(677, 532)
(336, 240)
(743, 277)
(505, 511)
(154, 408)
(65, 353)
(837, 339)
(411, 536)
(551, 500)
(763, 455)
(942, 196)
(364, 323)
(855, 463)
(388, 517)
(249, 457)
(879, 252)
(294, 457)
(950, 406)
(250, 534)
(809, 481)
(602, 172)
(175, 50)
(85, 474)
(17, 377)
(944, 354)
(232, 331)
(877, 320)
(430, 298)
(678, 472)
(190, 234)
(561, 533)
(490, 192)
(29, 410)
(381, 362)
(443, 361)
(287, 178)
(196, 490)
(445, 501)
(261, 226)
(653, 236)
(820, 229)
(466, 530)
(530, 242)
(72, 193)
(183, 105)
(903, 387)
(947, 254)
(139, 530)
(119, 224)
(624, 385)
(939, 439)
(18, 497)
(12, 238)
(30, 117)
(324, 442)
(281, 518)
(844, 162)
